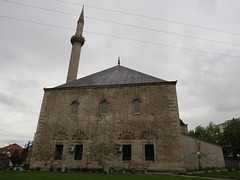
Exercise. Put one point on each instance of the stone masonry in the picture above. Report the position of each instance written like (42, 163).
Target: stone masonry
(133, 111)
(157, 124)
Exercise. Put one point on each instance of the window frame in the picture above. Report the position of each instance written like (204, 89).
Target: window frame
(126, 152)
(58, 151)
(148, 157)
(104, 107)
(74, 107)
(78, 154)
(137, 106)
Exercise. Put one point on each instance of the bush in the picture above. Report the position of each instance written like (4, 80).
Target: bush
(181, 173)
(26, 167)
(51, 169)
(78, 169)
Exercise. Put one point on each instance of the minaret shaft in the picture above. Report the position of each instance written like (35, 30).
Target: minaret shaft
(74, 62)
(77, 41)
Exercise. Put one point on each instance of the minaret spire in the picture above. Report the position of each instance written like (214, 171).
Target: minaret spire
(77, 41)
(81, 17)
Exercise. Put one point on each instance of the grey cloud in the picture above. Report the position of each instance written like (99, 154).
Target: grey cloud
(10, 101)
(33, 56)
(207, 5)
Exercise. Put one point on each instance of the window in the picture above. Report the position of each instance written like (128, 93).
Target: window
(136, 106)
(74, 107)
(149, 152)
(58, 151)
(127, 153)
(78, 152)
(104, 107)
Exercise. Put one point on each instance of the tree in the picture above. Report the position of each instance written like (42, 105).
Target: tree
(199, 154)
(200, 132)
(211, 133)
(191, 133)
(45, 157)
(231, 138)
(16, 158)
(100, 152)
(25, 151)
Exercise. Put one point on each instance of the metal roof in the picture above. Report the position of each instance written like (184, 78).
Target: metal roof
(117, 75)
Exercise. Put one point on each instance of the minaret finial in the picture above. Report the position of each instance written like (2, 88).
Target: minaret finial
(81, 17)
(80, 23)
(118, 60)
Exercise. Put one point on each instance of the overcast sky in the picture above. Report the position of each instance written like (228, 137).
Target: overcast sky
(168, 39)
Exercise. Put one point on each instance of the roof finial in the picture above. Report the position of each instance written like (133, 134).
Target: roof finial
(118, 60)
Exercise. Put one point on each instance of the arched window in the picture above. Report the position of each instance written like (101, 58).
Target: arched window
(136, 106)
(104, 107)
(127, 137)
(74, 107)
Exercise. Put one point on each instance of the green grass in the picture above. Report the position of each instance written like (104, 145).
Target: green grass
(16, 175)
(36, 175)
(226, 175)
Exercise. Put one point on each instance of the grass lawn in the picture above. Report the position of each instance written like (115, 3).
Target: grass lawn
(16, 175)
(226, 175)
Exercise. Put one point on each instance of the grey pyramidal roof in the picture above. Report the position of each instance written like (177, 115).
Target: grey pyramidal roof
(117, 75)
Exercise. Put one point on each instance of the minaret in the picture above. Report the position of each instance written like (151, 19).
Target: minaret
(77, 41)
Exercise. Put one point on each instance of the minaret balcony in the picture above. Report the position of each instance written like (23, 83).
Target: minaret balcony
(78, 39)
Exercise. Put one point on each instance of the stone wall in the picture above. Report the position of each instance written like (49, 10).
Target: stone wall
(213, 159)
(157, 124)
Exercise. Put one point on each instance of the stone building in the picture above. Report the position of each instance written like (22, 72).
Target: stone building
(135, 111)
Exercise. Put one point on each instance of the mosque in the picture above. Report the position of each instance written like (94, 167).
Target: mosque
(135, 112)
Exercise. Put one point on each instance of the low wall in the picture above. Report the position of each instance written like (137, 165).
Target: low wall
(213, 159)
(232, 163)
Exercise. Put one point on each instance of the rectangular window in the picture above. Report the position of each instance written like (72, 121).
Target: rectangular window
(78, 152)
(58, 151)
(149, 152)
(127, 153)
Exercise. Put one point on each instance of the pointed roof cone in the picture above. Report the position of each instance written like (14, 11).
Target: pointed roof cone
(80, 23)
(81, 18)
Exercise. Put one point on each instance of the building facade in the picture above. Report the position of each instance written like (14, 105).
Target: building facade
(133, 111)
(222, 126)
